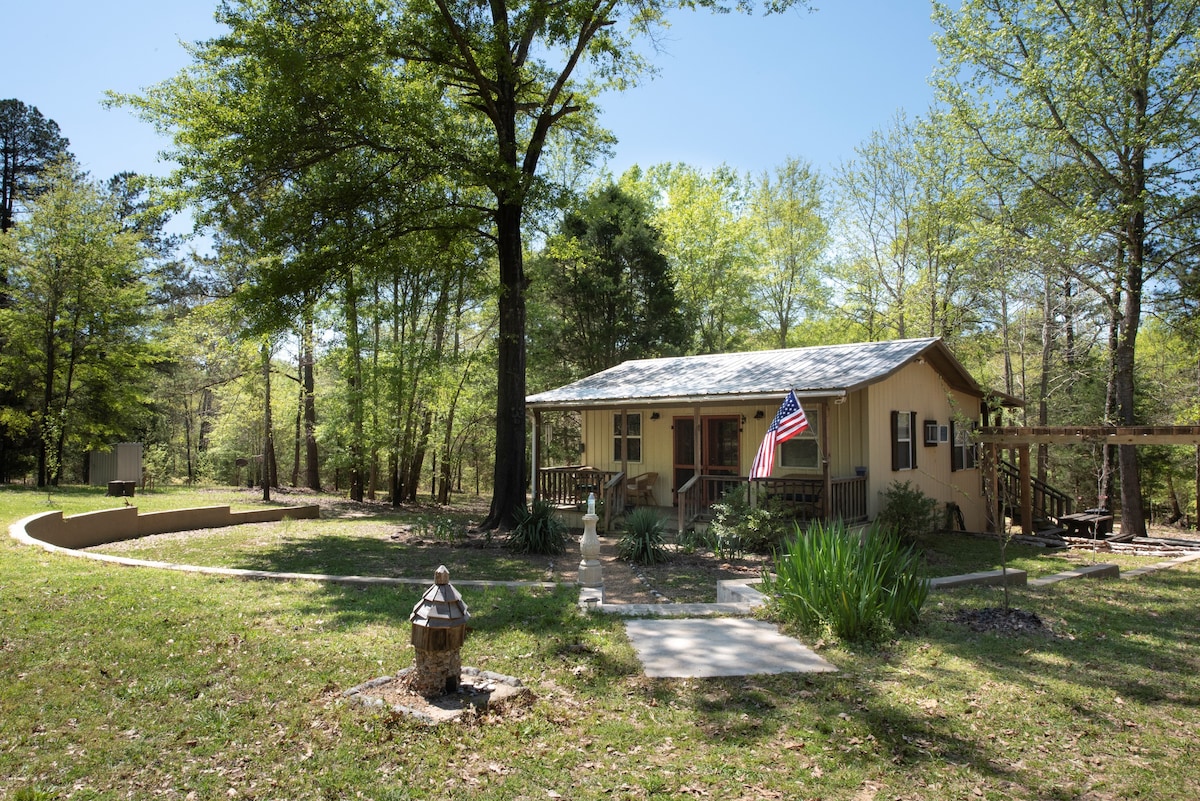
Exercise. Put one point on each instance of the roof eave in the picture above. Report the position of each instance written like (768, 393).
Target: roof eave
(682, 400)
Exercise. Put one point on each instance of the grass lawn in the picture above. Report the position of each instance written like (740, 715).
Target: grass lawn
(134, 683)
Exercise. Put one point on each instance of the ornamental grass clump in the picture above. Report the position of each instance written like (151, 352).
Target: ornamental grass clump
(538, 531)
(860, 588)
(644, 539)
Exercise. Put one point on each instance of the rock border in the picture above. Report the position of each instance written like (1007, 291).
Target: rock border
(360, 694)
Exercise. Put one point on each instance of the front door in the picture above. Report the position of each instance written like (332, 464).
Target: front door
(720, 451)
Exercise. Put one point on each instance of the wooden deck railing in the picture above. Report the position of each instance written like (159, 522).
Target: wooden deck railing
(848, 499)
(570, 486)
(847, 496)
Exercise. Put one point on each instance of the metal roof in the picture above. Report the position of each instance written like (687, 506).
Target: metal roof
(820, 371)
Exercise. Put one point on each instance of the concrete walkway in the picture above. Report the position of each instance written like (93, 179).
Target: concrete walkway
(726, 646)
(703, 640)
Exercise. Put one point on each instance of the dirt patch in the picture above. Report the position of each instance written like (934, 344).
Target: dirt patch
(481, 695)
(997, 620)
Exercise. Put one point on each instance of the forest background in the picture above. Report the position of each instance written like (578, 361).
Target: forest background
(366, 294)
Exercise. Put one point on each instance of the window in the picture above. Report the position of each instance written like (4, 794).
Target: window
(904, 441)
(803, 451)
(931, 433)
(962, 452)
(633, 437)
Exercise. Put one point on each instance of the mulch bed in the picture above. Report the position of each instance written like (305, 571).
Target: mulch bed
(997, 620)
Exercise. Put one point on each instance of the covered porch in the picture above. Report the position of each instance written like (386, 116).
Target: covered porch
(816, 498)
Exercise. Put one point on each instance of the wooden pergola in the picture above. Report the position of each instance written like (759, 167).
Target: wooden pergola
(1020, 438)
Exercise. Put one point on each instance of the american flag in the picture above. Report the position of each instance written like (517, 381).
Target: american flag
(789, 421)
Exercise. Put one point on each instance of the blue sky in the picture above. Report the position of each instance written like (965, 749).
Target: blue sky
(734, 89)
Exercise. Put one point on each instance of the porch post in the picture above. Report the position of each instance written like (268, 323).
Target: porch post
(828, 488)
(995, 512)
(536, 461)
(1026, 489)
(625, 443)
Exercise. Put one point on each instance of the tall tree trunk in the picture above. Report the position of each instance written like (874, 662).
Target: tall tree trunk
(296, 434)
(508, 473)
(355, 388)
(188, 422)
(1043, 451)
(395, 479)
(312, 468)
(418, 455)
(268, 454)
(373, 474)
(1133, 513)
(446, 475)
(51, 367)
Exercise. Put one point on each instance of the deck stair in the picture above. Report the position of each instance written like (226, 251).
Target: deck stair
(1050, 505)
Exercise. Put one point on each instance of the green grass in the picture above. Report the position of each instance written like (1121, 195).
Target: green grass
(118, 683)
(335, 547)
(955, 554)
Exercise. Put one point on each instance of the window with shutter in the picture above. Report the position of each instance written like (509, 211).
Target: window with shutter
(904, 442)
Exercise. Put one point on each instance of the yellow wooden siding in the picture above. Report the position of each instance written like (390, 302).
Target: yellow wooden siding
(919, 388)
(859, 435)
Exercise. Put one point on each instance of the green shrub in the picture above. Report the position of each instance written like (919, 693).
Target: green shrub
(908, 512)
(858, 588)
(440, 529)
(695, 539)
(33, 794)
(737, 528)
(538, 531)
(643, 541)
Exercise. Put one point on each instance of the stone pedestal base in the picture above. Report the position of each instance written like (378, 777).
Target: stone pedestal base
(435, 673)
(591, 572)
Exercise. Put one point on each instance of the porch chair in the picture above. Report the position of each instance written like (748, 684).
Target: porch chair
(640, 490)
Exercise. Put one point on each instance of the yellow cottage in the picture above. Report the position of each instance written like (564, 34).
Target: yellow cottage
(677, 432)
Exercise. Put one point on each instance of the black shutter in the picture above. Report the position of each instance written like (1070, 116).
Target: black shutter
(912, 440)
(956, 453)
(896, 452)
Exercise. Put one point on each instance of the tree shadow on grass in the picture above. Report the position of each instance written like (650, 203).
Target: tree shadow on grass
(983, 703)
(517, 629)
(1135, 639)
(351, 555)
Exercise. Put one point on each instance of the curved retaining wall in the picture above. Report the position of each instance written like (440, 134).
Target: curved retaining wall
(113, 525)
(66, 535)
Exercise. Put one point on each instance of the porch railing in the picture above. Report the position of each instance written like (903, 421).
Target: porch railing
(847, 496)
(570, 485)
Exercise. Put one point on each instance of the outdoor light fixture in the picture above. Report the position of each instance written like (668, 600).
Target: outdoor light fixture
(759, 415)
(653, 415)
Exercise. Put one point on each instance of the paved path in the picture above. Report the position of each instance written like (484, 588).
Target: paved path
(703, 640)
(726, 646)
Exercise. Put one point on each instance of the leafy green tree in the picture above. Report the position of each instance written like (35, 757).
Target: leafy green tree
(792, 237)
(708, 239)
(348, 104)
(74, 330)
(29, 145)
(906, 204)
(604, 288)
(1107, 87)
